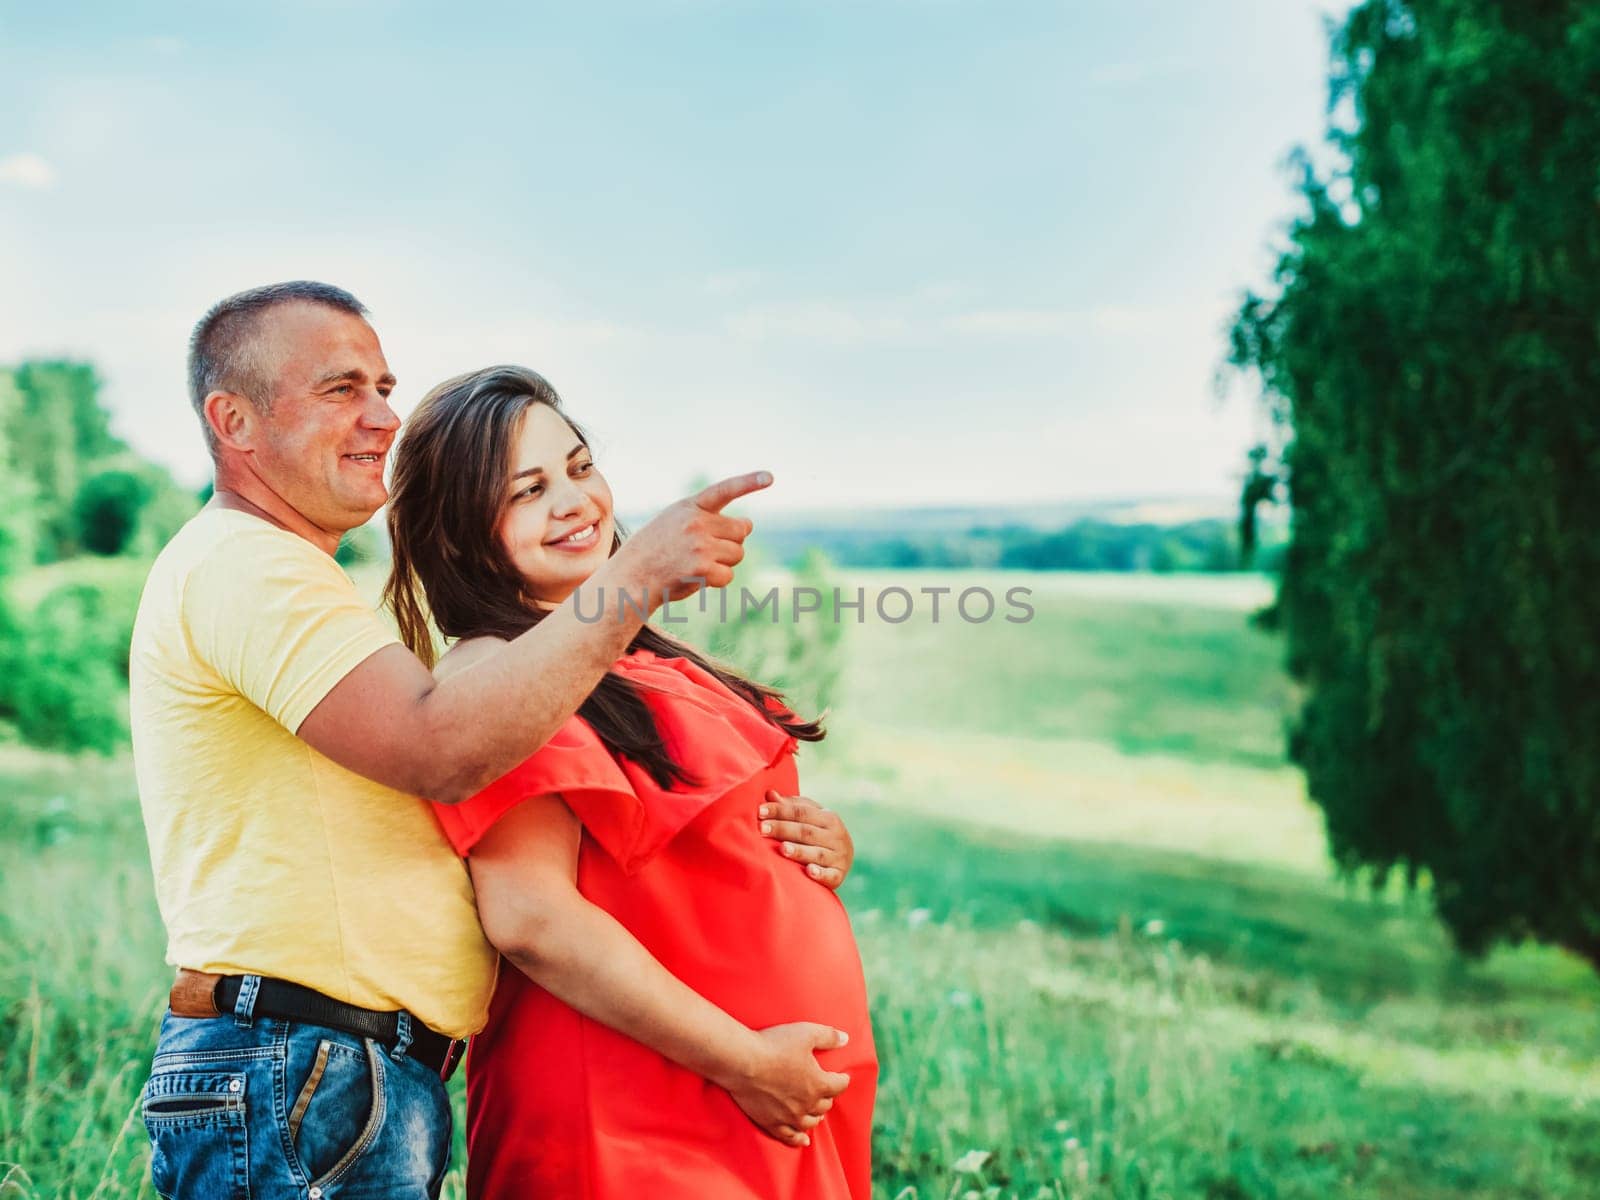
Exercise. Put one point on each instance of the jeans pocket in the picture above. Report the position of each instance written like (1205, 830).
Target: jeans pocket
(199, 1142)
(337, 1111)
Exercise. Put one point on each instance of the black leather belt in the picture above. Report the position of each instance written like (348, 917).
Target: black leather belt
(292, 1002)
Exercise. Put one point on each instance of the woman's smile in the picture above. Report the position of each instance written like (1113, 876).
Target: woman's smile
(581, 539)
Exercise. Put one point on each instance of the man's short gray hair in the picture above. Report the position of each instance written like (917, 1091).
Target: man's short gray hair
(225, 350)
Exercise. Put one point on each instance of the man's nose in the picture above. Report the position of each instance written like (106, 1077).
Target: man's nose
(379, 415)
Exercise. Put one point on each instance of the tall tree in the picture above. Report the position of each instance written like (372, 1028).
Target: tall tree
(17, 516)
(1430, 350)
(59, 685)
(57, 429)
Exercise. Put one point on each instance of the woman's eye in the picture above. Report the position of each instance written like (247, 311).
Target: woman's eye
(582, 468)
(533, 489)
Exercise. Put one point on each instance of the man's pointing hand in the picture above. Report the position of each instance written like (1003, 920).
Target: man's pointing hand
(692, 543)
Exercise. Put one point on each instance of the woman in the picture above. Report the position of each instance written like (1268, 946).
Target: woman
(669, 957)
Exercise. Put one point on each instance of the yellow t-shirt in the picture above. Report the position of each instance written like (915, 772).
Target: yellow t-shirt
(271, 859)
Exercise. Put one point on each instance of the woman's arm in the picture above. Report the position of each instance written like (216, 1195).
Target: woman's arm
(525, 873)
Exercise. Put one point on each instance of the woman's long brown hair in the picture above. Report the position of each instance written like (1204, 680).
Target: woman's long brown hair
(446, 502)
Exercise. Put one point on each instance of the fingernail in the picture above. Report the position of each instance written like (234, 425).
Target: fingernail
(789, 849)
(843, 1037)
(764, 811)
(763, 477)
(766, 826)
(814, 871)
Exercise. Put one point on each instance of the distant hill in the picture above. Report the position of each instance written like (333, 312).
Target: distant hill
(1139, 534)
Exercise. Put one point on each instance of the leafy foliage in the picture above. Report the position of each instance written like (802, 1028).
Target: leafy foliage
(66, 671)
(83, 489)
(16, 491)
(57, 429)
(67, 485)
(106, 510)
(1431, 354)
(1087, 544)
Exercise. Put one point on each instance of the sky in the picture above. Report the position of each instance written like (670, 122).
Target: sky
(898, 252)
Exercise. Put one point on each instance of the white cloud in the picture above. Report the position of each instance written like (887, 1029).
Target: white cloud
(1136, 318)
(526, 333)
(730, 283)
(1103, 320)
(845, 324)
(819, 323)
(841, 323)
(940, 293)
(27, 170)
(1017, 322)
(1070, 407)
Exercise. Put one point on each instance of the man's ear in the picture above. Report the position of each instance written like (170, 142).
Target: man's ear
(233, 420)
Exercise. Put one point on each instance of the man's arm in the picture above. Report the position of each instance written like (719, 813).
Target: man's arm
(525, 875)
(391, 721)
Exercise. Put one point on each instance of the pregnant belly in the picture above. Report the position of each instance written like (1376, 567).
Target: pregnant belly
(723, 910)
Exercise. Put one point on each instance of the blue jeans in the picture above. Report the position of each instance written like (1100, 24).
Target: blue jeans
(240, 1107)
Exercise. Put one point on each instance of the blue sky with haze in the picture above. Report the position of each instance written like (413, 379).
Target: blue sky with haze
(939, 252)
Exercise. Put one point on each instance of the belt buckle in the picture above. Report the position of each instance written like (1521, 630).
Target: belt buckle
(452, 1058)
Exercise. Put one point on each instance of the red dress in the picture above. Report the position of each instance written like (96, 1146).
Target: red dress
(560, 1107)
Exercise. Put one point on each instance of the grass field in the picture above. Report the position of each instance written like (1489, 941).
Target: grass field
(1105, 955)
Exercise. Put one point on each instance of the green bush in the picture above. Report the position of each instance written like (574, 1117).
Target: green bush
(106, 510)
(64, 668)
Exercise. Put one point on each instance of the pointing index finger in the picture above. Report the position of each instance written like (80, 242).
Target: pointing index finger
(719, 495)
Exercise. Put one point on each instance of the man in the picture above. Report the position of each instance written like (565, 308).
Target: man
(329, 952)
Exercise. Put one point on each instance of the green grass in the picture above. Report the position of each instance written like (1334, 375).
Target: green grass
(1138, 1023)
(1104, 660)
(1102, 945)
